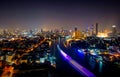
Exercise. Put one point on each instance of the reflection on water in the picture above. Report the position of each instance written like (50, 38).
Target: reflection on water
(96, 63)
(100, 66)
(92, 63)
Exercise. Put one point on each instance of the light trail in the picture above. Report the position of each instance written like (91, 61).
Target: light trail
(75, 65)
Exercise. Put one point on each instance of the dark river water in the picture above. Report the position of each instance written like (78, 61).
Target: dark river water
(99, 69)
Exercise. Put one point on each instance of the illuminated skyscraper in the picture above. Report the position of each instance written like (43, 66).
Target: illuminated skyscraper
(114, 31)
(77, 34)
(92, 30)
(96, 29)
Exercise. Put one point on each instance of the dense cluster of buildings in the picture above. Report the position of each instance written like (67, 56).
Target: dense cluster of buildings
(32, 47)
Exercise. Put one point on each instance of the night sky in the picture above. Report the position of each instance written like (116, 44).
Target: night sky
(53, 14)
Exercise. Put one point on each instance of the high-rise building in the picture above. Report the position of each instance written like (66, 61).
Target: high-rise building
(114, 31)
(77, 34)
(41, 30)
(96, 29)
(92, 30)
(5, 31)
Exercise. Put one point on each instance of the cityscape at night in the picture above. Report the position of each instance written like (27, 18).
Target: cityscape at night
(59, 38)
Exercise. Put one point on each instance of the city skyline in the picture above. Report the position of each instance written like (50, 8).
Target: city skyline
(54, 14)
(59, 38)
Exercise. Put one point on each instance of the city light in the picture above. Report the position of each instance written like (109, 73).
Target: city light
(63, 38)
(92, 52)
(103, 35)
(8, 71)
(114, 26)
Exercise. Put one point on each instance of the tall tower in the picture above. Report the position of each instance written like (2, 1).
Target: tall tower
(92, 30)
(77, 34)
(96, 29)
(75, 28)
(114, 31)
